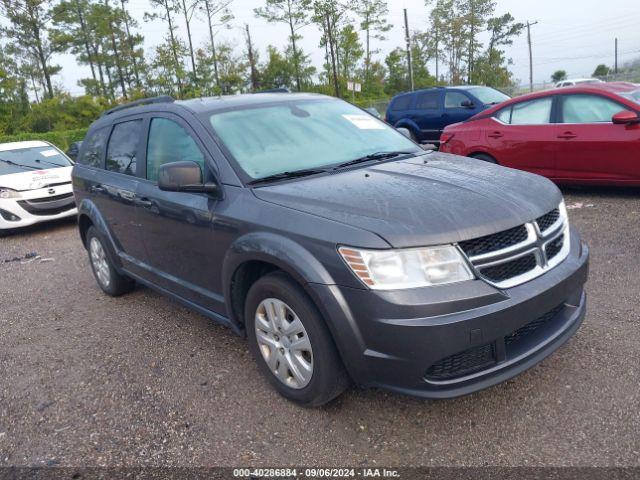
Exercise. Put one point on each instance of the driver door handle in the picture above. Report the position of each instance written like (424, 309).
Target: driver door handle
(567, 135)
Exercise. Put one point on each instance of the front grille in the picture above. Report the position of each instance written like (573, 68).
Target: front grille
(51, 199)
(532, 327)
(463, 363)
(553, 248)
(48, 207)
(494, 242)
(511, 269)
(546, 221)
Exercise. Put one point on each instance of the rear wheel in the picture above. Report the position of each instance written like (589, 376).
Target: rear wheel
(484, 157)
(291, 343)
(108, 278)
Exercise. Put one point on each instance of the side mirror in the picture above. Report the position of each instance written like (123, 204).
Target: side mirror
(406, 132)
(184, 177)
(468, 104)
(625, 117)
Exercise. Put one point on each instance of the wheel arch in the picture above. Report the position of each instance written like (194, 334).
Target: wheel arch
(257, 254)
(477, 151)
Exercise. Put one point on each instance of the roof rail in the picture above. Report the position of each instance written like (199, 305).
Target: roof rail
(142, 101)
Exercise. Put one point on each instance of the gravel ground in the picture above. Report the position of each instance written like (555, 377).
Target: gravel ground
(90, 380)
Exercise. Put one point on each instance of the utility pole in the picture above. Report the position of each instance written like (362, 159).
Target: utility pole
(616, 63)
(408, 37)
(252, 61)
(529, 25)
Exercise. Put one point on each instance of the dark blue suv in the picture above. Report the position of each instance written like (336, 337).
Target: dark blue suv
(425, 113)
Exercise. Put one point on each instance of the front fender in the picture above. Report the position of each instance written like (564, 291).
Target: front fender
(283, 252)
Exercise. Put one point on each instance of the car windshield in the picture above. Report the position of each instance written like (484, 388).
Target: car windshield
(34, 158)
(303, 135)
(488, 95)
(635, 96)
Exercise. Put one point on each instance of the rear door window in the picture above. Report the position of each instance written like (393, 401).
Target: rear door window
(122, 151)
(428, 101)
(588, 109)
(170, 142)
(534, 112)
(94, 148)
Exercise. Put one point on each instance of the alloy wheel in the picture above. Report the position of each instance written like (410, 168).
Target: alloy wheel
(99, 262)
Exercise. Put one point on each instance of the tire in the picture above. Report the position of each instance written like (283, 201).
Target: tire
(321, 374)
(109, 280)
(484, 157)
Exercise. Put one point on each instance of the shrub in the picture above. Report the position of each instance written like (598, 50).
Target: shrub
(61, 139)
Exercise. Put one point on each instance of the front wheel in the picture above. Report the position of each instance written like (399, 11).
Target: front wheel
(110, 281)
(291, 343)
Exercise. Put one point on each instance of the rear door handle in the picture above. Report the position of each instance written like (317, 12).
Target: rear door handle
(567, 135)
(496, 135)
(97, 189)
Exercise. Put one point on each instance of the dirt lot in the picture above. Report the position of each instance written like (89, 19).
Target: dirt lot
(90, 380)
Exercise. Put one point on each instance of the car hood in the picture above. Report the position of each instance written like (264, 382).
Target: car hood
(426, 200)
(35, 179)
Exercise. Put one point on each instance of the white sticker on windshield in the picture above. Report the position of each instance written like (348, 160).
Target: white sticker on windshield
(365, 122)
(49, 153)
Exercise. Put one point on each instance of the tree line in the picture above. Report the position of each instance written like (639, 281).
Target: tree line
(464, 39)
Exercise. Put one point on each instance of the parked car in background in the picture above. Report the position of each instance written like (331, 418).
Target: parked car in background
(74, 150)
(425, 113)
(340, 248)
(35, 184)
(572, 82)
(588, 134)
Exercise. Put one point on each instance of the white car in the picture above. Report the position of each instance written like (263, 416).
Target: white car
(572, 82)
(35, 184)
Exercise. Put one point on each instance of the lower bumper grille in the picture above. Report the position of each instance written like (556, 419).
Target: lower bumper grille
(476, 359)
(49, 205)
(463, 363)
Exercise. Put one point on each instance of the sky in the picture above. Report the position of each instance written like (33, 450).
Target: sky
(573, 35)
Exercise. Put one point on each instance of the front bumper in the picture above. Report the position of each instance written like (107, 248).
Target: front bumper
(35, 206)
(452, 340)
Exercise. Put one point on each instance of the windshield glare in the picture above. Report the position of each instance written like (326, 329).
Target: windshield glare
(301, 135)
(34, 158)
(488, 95)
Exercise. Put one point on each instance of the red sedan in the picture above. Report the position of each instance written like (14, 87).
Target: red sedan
(582, 135)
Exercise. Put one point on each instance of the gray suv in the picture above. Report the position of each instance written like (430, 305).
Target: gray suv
(342, 250)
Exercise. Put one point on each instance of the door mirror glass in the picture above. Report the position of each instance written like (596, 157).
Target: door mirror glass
(183, 177)
(625, 117)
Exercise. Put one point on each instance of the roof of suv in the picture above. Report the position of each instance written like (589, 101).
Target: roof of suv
(205, 104)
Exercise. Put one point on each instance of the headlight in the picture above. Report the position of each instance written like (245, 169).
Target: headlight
(410, 268)
(7, 193)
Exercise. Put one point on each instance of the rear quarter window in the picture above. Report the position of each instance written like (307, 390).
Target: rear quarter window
(94, 146)
(402, 103)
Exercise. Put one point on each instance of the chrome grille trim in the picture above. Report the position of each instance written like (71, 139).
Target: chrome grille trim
(536, 243)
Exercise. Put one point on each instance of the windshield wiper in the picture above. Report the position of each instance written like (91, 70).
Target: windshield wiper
(37, 160)
(371, 157)
(286, 176)
(10, 162)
